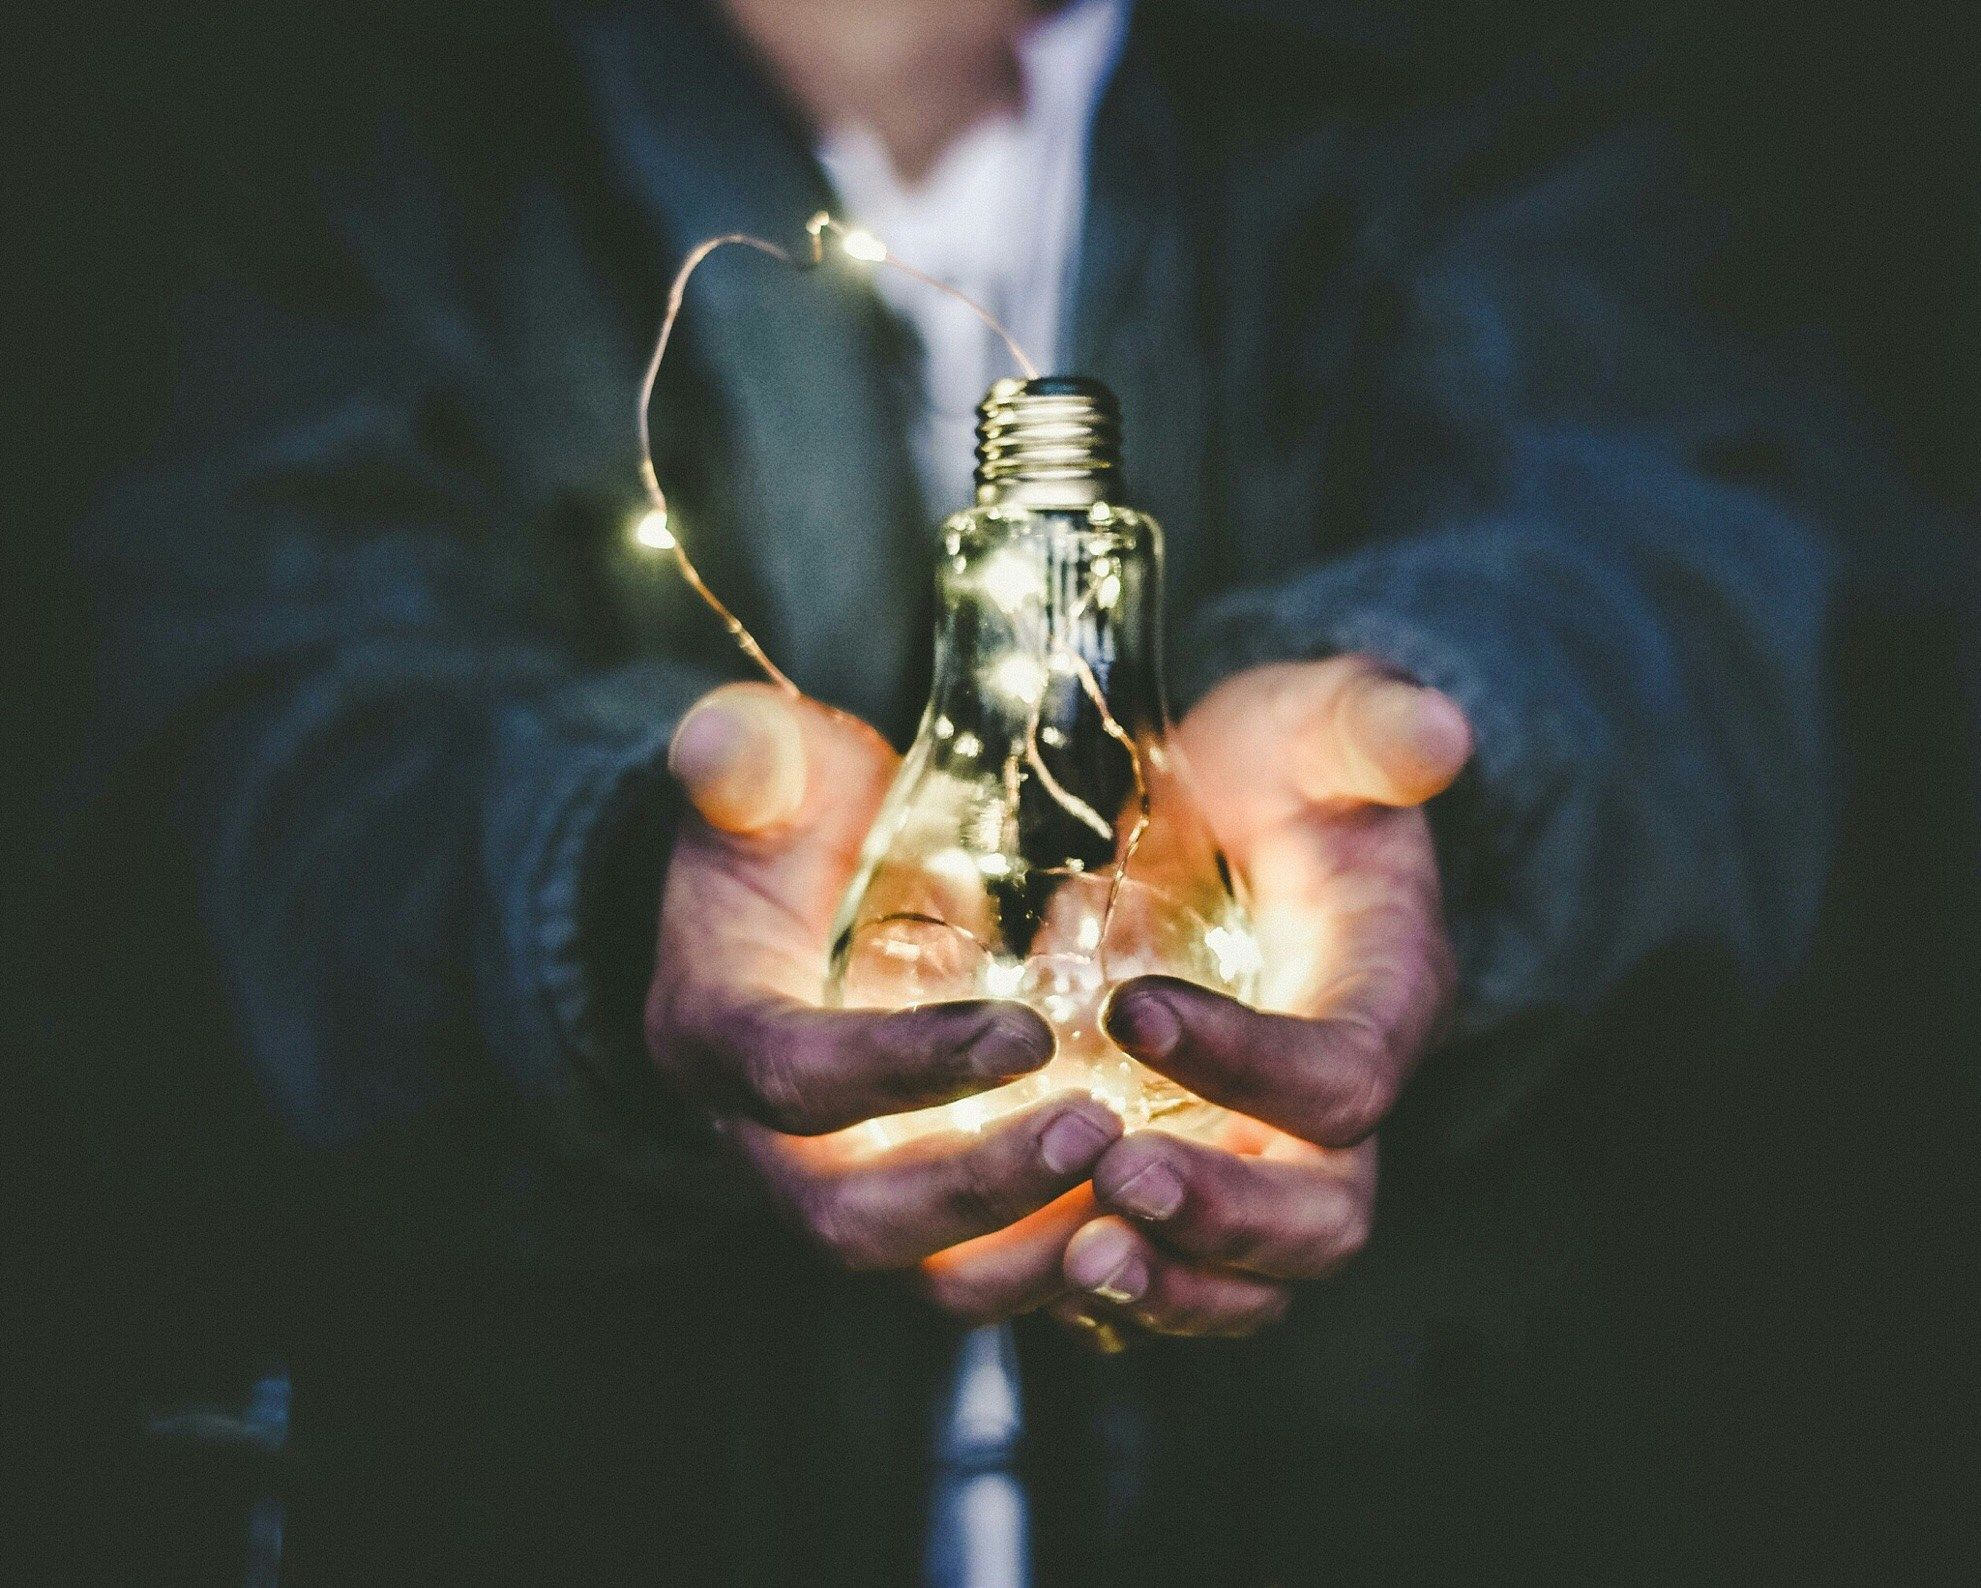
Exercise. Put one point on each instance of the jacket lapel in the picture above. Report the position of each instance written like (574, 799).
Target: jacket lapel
(828, 509)
(1134, 322)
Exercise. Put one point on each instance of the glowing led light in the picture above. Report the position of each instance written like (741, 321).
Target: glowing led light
(864, 245)
(953, 865)
(994, 865)
(650, 530)
(1237, 953)
(1019, 678)
(944, 728)
(1012, 582)
(1108, 592)
(969, 746)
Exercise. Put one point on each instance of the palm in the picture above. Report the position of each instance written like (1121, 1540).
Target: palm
(1311, 775)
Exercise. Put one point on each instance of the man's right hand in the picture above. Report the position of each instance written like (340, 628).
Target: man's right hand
(783, 792)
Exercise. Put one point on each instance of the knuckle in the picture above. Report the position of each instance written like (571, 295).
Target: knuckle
(779, 1092)
(978, 1196)
(1352, 1229)
(1343, 1233)
(837, 1229)
(1248, 1067)
(1269, 1310)
(1216, 1228)
(1363, 1088)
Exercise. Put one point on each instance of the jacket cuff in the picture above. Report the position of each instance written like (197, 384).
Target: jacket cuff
(578, 845)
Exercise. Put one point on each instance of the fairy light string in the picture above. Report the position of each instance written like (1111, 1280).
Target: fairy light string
(656, 530)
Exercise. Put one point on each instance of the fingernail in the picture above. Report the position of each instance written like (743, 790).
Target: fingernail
(1009, 1045)
(1072, 1142)
(1429, 721)
(741, 759)
(1144, 1024)
(1109, 1265)
(1151, 1192)
(705, 743)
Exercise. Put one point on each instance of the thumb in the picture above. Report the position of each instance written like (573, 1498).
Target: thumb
(739, 755)
(1368, 735)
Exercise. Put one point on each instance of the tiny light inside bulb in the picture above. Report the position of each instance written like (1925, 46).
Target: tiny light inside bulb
(1011, 581)
(650, 530)
(1005, 978)
(861, 244)
(1237, 953)
(1020, 678)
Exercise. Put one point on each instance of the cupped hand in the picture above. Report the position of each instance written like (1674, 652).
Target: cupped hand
(1313, 775)
(782, 792)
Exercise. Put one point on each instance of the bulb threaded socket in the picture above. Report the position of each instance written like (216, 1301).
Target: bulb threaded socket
(1050, 442)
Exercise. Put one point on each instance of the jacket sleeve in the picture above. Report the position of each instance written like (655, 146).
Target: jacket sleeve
(1603, 530)
(353, 677)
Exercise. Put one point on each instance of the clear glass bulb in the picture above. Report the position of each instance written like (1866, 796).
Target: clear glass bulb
(995, 867)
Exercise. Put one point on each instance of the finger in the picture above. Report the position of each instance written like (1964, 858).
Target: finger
(1011, 1271)
(1272, 741)
(740, 756)
(806, 1071)
(1113, 1261)
(1364, 734)
(1297, 1214)
(1329, 1081)
(898, 1207)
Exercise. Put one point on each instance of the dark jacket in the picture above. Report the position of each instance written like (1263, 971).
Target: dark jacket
(1416, 348)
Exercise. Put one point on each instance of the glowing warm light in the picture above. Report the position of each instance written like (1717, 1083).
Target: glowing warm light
(1236, 953)
(1107, 592)
(1004, 979)
(650, 530)
(953, 865)
(1019, 678)
(864, 245)
(1012, 581)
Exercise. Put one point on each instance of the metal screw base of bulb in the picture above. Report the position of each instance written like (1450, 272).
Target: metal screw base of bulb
(1054, 441)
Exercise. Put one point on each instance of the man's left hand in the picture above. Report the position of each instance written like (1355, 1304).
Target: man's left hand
(1313, 775)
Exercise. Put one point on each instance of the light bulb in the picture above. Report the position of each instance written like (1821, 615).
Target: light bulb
(650, 529)
(864, 246)
(1040, 841)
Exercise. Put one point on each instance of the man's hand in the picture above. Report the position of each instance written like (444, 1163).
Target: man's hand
(1312, 775)
(783, 793)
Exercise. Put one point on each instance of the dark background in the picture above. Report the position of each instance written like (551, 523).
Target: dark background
(1791, 1214)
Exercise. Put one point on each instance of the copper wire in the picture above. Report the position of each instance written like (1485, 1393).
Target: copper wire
(816, 229)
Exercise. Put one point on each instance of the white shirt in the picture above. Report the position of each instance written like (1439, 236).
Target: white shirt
(999, 218)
